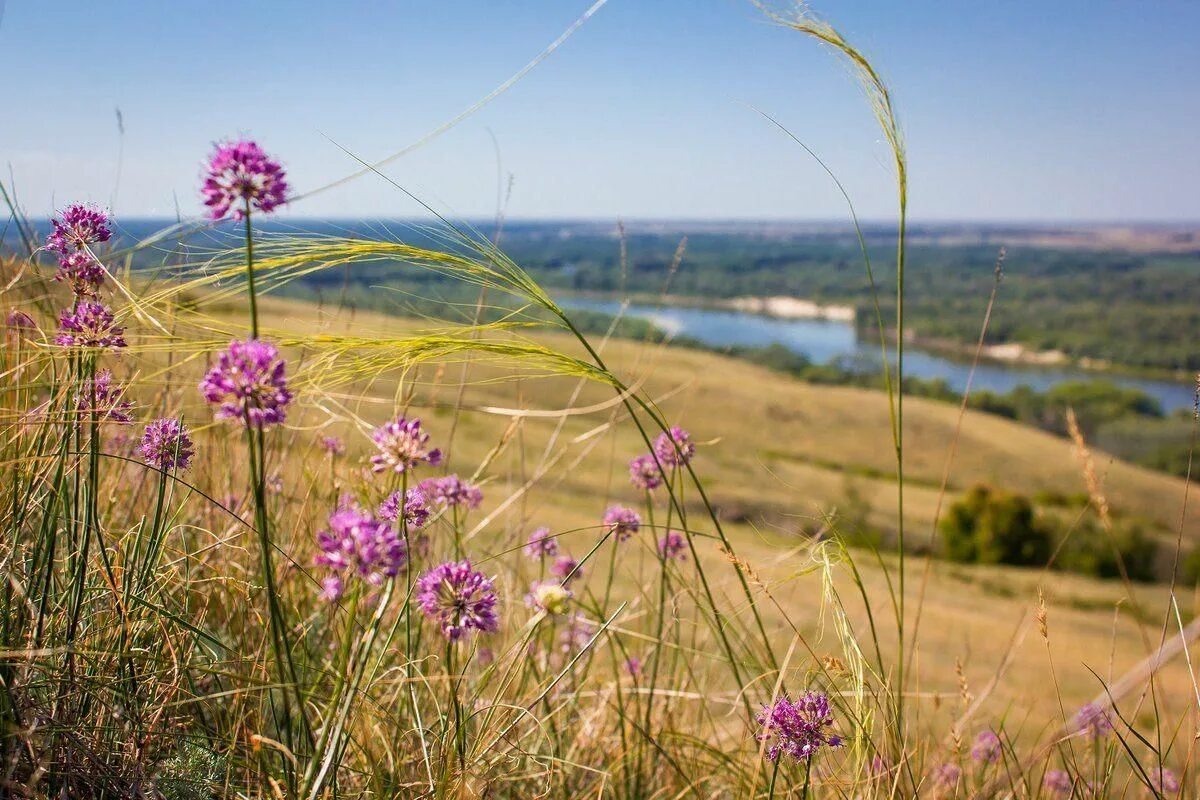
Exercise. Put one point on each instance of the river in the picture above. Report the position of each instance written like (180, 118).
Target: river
(825, 341)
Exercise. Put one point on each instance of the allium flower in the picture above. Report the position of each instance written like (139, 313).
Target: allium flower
(549, 596)
(672, 545)
(798, 728)
(623, 521)
(356, 541)
(575, 634)
(248, 384)
(633, 666)
(1058, 782)
(458, 598)
(76, 227)
(674, 448)
(644, 473)
(1163, 781)
(82, 272)
(402, 446)
(566, 569)
(451, 491)
(104, 400)
(89, 324)
(19, 320)
(240, 171)
(1092, 721)
(541, 544)
(987, 747)
(879, 766)
(166, 444)
(947, 776)
(416, 508)
(332, 588)
(333, 445)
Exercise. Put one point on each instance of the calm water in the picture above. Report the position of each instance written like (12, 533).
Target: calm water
(824, 341)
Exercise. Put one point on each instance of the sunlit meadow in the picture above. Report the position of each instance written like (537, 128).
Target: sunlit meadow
(247, 557)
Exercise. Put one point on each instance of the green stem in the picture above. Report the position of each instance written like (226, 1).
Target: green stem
(250, 272)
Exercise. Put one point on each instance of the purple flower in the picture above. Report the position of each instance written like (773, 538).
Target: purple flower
(541, 544)
(333, 445)
(76, 227)
(458, 598)
(82, 272)
(1058, 782)
(633, 666)
(356, 541)
(332, 588)
(674, 448)
(240, 172)
(19, 320)
(416, 508)
(451, 491)
(672, 545)
(576, 633)
(89, 324)
(1092, 721)
(104, 400)
(248, 384)
(879, 766)
(566, 569)
(798, 728)
(987, 747)
(1163, 781)
(167, 445)
(644, 473)
(402, 446)
(947, 776)
(624, 522)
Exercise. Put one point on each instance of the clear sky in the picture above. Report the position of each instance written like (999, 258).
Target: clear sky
(1014, 110)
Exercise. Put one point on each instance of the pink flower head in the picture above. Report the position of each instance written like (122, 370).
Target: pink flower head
(333, 445)
(238, 173)
(946, 776)
(104, 400)
(541, 544)
(1092, 721)
(644, 472)
(566, 569)
(633, 666)
(402, 446)
(415, 508)
(576, 633)
(167, 445)
(81, 272)
(19, 320)
(674, 448)
(672, 545)
(89, 324)
(798, 728)
(987, 747)
(624, 522)
(1058, 782)
(248, 384)
(459, 599)
(452, 491)
(76, 227)
(357, 542)
(1163, 781)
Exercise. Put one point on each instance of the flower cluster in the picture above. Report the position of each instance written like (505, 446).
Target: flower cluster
(333, 445)
(402, 446)
(240, 173)
(412, 504)
(672, 545)
(1092, 721)
(89, 324)
(356, 541)
(541, 544)
(624, 522)
(946, 776)
(248, 384)
(167, 445)
(644, 472)
(77, 227)
(1163, 781)
(458, 598)
(452, 491)
(104, 400)
(674, 448)
(987, 747)
(1058, 782)
(566, 569)
(798, 728)
(549, 596)
(81, 272)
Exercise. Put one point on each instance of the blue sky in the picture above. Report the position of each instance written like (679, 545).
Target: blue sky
(1018, 110)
